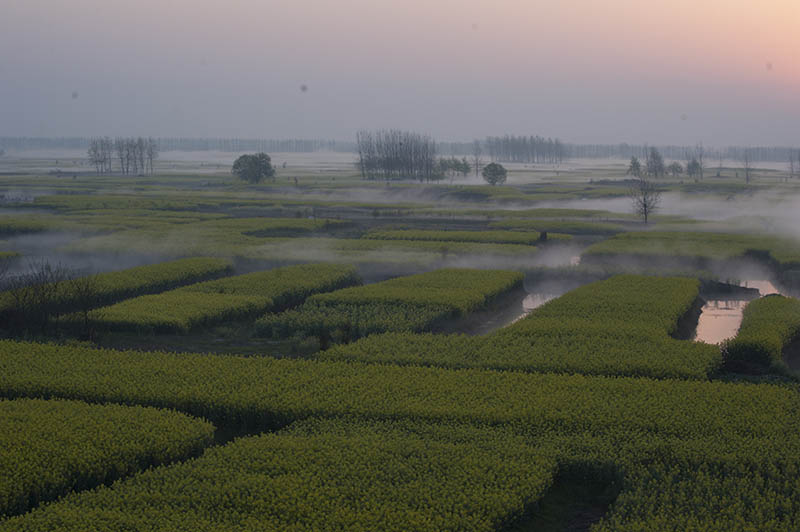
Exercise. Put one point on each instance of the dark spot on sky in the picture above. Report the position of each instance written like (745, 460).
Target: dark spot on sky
(684, 116)
(75, 95)
(769, 66)
(303, 88)
(474, 26)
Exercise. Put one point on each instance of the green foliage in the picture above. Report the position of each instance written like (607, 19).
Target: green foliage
(557, 226)
(253, 168)
(414, 303)
(323, 476)
(645, 431)
(496, 237)
(11, 226)
(242, 296)
(263, 392)
(494, 174)
(768, 325)
(277, 227)
(453, 166)
(620, 326)
(693, 245)
(48, 448)
(215, 239)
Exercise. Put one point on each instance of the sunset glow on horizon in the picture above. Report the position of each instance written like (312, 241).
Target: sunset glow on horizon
(616, 70)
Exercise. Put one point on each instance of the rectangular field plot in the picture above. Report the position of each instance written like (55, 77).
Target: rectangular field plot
(113, 286)
(413, 303)
(231, 298)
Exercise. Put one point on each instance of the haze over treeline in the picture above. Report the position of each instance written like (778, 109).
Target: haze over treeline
(725, 72)
(507, 148)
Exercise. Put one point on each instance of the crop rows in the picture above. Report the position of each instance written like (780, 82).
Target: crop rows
(559, 226)
(413, 303)
(208, 239)
(698, 246)
(620, 326)
(321, 476)
(114, 286)
(238, 297)
(277, 227)
(265, 392)
(490, 237)
(671, 444)
(48, 448)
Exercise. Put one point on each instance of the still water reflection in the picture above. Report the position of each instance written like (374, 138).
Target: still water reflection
(721, 317)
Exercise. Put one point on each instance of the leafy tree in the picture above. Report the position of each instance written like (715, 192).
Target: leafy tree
(635, 168)
(694, 168)
(464, 167)
(675, 169)
(253, 168)
(494, 174)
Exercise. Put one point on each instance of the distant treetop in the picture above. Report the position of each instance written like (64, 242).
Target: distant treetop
(253, 168)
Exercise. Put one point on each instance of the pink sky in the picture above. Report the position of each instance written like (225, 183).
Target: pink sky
(677, 71)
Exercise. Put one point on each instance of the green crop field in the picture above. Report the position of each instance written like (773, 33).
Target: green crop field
(414, 303)
(621, 326)
(769, 325)
(715, 246)
(49, 448)
(210, 302)
(328, 351)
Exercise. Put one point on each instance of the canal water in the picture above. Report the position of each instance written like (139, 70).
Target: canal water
(721, 315)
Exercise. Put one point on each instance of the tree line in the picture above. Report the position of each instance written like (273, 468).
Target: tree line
(459, 149)
(513, 149)
(394, 154)
(189, 144)
(130, 155)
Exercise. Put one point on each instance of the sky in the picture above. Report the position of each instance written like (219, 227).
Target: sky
(722, 72)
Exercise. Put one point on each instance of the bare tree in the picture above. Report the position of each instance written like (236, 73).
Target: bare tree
(152, 154)
(699, 154)
(393, 154)
(119, 148)
(654, 163)
(85, 298)
(107, 149)
(95, 154)
(747, 164)
(35, 296)
(477, 160)
(791, 165)
(645, 197)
